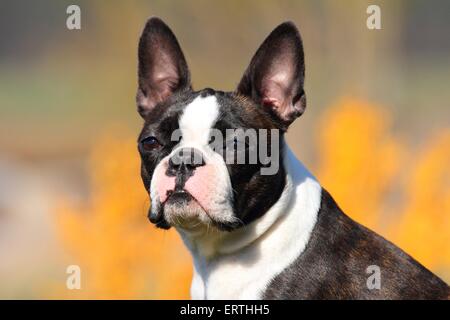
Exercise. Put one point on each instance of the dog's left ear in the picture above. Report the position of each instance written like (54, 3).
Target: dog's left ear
(275, 77)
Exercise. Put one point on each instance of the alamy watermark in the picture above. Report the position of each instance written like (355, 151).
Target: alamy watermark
(73, 21)
(373, 21)
(73, 281)
(237, 146)
(374, 280)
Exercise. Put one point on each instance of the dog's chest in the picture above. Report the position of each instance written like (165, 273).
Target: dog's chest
(260, 251)
(232, 277)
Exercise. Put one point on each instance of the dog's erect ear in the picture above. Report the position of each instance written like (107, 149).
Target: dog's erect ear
(162, 67)
(274, 79)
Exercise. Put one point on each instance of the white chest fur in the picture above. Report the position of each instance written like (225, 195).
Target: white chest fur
(245, 261)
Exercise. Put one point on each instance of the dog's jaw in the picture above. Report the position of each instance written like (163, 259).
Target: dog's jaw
(260, 250)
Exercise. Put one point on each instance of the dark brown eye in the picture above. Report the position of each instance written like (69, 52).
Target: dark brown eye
(150, 143)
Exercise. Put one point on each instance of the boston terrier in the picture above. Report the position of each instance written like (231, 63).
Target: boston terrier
(256, 229)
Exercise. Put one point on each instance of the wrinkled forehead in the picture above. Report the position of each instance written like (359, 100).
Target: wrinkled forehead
(196, 114)
(198, 117)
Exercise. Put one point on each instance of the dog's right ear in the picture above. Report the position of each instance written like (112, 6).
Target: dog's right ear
(162, 67)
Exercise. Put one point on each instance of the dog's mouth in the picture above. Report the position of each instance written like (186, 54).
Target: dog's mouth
(181, 209)
(179, 195)
(182, 198)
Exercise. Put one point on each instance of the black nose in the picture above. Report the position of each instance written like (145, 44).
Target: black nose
(185, 160)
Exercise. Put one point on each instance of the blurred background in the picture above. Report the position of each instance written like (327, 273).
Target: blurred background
(376, 132)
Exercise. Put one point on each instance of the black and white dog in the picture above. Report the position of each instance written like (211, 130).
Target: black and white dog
(254, 235)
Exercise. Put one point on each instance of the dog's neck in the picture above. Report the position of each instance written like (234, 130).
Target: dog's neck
(260, 250)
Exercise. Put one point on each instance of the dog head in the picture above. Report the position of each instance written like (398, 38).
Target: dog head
(211, 157)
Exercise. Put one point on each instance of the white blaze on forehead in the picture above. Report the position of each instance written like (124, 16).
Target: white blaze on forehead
(198, 118)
